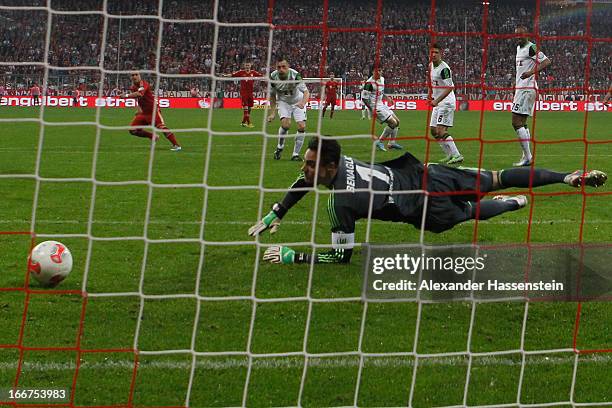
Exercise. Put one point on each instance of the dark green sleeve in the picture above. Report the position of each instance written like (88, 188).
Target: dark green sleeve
(339, 255)
(292, 196)
(340, 214)
(334, 256)
(341, 219)
(446, 73)
(368, 87)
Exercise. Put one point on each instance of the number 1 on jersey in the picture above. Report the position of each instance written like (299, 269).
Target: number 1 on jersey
(366, 174)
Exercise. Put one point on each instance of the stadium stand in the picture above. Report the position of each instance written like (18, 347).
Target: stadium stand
(186, 47)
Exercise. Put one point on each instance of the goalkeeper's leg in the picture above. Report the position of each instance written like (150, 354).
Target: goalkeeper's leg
(498, 205)
(522, 176)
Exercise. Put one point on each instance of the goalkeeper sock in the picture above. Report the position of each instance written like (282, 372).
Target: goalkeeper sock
(245, 116)
(519, 177)
(491, 208)
(524, 137)
(281, 140)
(299, 141)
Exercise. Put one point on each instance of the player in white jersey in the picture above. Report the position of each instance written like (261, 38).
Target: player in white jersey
(443, 102)
(375, 85)
(529, 61)
(290, 98)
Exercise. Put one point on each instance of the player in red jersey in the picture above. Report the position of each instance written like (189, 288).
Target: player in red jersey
(35, 93)
(246, 92)
(76, 94)
(331, 87)
(141, 90)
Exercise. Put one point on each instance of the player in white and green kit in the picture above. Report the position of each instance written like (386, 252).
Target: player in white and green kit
(365, 102)
(290, 98)
(375, 86)
(443, 102)
(528, 61)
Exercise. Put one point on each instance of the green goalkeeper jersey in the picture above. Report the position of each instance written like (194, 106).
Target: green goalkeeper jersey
(356, 185)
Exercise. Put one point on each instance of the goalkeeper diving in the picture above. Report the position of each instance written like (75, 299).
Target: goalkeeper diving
(398, 196)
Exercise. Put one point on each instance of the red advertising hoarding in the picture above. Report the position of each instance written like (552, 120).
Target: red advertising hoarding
(234, 103)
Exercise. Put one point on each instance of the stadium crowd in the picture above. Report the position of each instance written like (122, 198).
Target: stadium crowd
(186, 48)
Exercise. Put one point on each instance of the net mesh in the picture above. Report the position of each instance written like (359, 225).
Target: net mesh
(322, 23)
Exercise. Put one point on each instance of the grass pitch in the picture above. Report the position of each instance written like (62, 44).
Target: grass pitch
(234, 166)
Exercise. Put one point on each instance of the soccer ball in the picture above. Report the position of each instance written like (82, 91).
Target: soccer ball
(50, 262)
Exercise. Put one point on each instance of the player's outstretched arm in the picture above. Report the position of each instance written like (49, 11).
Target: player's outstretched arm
(286, 256)
(342, 244)
(271, 221)
(273, 218)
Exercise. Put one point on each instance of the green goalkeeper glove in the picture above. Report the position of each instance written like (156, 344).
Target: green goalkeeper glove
(270, 221)
(279, 255)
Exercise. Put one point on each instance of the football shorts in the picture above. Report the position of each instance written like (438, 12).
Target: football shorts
(524, 102)
(286, 110)
(442, 116)
(383, 112)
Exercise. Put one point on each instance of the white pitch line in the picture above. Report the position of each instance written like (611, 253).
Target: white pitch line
(200, 150)
(216, 363)
(288, 222)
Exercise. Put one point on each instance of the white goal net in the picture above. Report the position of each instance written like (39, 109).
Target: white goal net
(170, 302)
